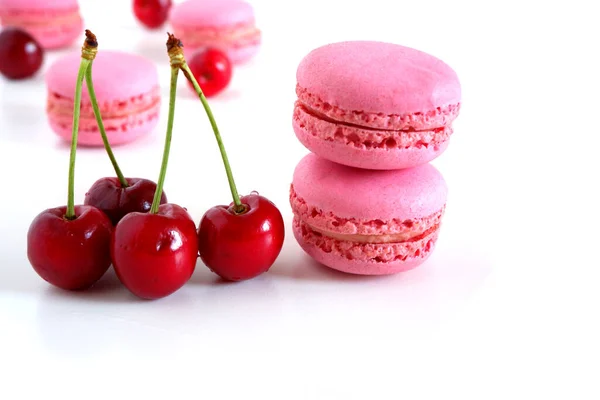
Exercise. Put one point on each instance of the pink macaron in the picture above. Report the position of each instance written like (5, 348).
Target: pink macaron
(128, 93)
(363, 221)
(54, 24)
(375, 105)
(228, 25)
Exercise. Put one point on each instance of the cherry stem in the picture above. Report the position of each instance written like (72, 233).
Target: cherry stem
(90, 85)
(239, 207)
(76, 110)
(167, 149)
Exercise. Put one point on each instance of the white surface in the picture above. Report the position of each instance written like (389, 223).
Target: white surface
(507, 306)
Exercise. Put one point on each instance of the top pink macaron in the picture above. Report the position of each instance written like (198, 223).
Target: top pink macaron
(228, 25)
(128, 93)
(375, 105)
(54, 24)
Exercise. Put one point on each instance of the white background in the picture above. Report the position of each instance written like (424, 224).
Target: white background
(506, 307)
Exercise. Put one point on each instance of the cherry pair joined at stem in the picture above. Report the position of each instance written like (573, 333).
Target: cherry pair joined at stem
(237, 242)
(69, 246)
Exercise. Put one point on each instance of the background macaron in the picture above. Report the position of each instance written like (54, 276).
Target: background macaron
(128, 93)
(366, 222)
(375, 105)
(228, 25)
(54, 24)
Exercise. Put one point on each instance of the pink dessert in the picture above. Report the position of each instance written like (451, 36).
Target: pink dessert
(228, 25)
(54, 24)
(128, 93)
(375, 105)
(366, 222)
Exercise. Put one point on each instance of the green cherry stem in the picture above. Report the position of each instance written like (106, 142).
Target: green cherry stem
(213, 123)
(88, 53)
(94, 101)
(77, 104)
(167, 149)
(177, 47)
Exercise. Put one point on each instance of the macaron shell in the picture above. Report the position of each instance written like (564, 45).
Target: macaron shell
(377, 77)
(368, 158)
(58, 36)
(213, 13)
(349, 192)
(362, 266)
(117, 75)
(118, 130)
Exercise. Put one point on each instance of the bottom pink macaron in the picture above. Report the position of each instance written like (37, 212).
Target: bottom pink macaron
(367, 222)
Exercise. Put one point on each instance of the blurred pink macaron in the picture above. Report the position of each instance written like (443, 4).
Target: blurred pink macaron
(375, 105)
(128, 93)
(228, 25)
(54, 24)
(367, 222)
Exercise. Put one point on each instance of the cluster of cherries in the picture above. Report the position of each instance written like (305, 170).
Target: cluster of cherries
(152, 244)
(21, 56)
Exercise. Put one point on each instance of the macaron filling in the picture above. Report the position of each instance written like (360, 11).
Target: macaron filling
(425, 120)
(328, 222)
(240, 35)
(117, 115)
(316, 223)
(397, 238)
(419, 246)
(39, 18)
(325, 128)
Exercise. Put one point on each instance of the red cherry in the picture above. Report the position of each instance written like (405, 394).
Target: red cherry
(21, 56)
(213, 70)
(155, 254)
(71, 254)
(241, 246)
(110, 196)
(152, 13)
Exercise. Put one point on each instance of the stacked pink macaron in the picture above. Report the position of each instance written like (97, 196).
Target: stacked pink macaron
(373, 114)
